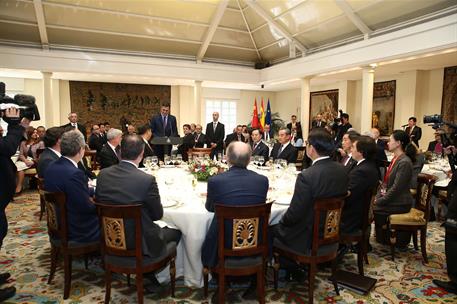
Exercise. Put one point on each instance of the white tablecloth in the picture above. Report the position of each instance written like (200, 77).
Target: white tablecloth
(439, 169)
(184, 209)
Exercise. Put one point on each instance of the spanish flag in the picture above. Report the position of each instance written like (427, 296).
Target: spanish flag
(262, 115)
(255, 116)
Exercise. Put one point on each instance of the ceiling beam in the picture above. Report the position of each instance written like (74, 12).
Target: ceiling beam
(41, 23)
(212, 29)
(355, 19)
(249, 30)
(262, 13)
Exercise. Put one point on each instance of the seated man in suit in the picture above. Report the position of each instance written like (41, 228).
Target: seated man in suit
(237, 135)
(344, 155)
(237, 186)
(284, 149)
(95, 139)
(199, 137)
(63, 175)
(362, 178)
(146, 133)
(325, 178)
(436, 146)
(51, 153)
(110, 153)
(125, 184)
(187, 142)
(258, 147)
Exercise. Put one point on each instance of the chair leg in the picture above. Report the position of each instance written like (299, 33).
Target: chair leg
(172, 276)
(361, 252)
(86, 261)
(424, 244)
(276, 269)
(54, 257)
(261, 286)
(393, 240)
(334, 281)
(205, 282)
(139, 287)
(415, 240)
(221, 295)
(67, 270)
(128, 279)
(42, 207)
(108, 286)
(311, 279)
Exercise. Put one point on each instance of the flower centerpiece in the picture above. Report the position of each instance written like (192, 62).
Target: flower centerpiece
(204, 169)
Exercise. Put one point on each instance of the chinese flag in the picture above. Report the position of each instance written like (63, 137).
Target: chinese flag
(255, 124)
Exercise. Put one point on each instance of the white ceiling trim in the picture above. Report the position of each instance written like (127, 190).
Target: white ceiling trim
(249, 30)
(355, 19)
(215, 20)
(37, 4)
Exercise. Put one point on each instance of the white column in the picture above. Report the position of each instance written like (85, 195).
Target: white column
(47, 96)
(55, 97)
(197, 105)
(304, 105)
(366, 110)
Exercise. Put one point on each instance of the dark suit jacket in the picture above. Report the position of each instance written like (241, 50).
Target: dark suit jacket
(340, 131)
(200, 143)
(233, 137)
(63, 176)
(380, 152)
(415, 135)
(148, 151)
(124, 184)
(8, 147)
(398, 198)
(187, 143)
(81, 129)
(324, 179)
(215, 137)
(235, 187)
(289, 153)
(46, 158)
(362, 178)
(431, 146)
(261, 150)
(314, 124)
(351, 164)
(107, 157)
(299, 129)
(157, 126)
(264, 137)
(95, 142)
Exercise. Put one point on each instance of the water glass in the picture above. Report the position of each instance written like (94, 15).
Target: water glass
(154, 160)
(148, 162)
(261, 160)
(256, 160)
(166, 160)
(179, 158)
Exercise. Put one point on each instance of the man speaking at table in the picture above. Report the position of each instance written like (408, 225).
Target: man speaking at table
(164, 125)
(237, 186)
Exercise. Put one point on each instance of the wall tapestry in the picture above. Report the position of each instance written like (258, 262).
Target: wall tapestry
(384, 106)
(449, 102)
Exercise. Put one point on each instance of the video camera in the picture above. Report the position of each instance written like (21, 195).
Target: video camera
(25, 103)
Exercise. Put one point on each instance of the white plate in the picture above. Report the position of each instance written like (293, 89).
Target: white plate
(169, 203)
(443, 183)
(167, 166)
(282, 202)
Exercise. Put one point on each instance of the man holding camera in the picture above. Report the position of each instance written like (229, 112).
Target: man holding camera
(8, 147)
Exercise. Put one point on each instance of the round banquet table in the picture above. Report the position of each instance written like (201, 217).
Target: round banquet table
(184, 209)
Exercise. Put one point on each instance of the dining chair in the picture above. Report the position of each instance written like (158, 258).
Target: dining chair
(324, 243)
(56, 216)
(118, 257)
(248, 252)
(40, 185)
(417, 218)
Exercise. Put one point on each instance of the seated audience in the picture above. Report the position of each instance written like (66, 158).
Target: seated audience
(51, 153)
(96, 141)
(284, 149)
(192, 128)
(259, 148)
(199, 137)
(237, 135)
(345, 152)
(362, 178)
(63, 175)
(110, 154)
(394, 196)
(436, 146)
(418, 160)
(124, 184)
(146, 133)
(187, 142)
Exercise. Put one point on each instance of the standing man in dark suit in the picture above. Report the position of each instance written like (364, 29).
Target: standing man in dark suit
(318, 123)
(258, 147)
(295, 125)
(325, 178)
(110, 154)
(164, 125)
(345, 152)
(51, 153)
(146, 134)
(187, 142)
(236, 187)
(95, 139)
(215, 133)
(125, 184)
(342, 128)
(362, 179)
(63, 175)
(381, 157)
(284, 149)
(73, 118)
(414, 132)
(267, 134)
(8, 147)
(199, 137)
(235, 136)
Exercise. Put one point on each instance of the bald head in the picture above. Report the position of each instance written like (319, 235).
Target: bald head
(239, 154)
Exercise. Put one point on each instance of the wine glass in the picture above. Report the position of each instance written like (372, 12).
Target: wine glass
(219, 156)
(256, 160)
(283, 163)
(148, 162)
(261, 160)
(154, 160)
(166, 159)
(179, 158)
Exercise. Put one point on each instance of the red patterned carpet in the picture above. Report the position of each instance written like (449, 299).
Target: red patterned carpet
(26, 256)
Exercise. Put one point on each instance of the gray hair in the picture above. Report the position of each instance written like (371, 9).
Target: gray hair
(239, 154)
(113, 133)
(71, 143)
(288, 132)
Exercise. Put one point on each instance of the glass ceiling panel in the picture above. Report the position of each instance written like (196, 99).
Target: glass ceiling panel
(278, 7)
(231, 54)
(359, 4)
(309, 14)
(182, 10)
(125, 24)
(233, 4)
(334, 31)
(95, 40)
(388, 13)
(233, 19)
(275, 52)
(266, 35)
(232, 38)
(17, 11)
(253, 19)
(19, 32)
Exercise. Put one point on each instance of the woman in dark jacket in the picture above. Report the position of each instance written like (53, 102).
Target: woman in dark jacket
(394, 196)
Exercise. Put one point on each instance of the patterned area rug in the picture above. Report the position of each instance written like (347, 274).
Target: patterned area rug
(26, 256)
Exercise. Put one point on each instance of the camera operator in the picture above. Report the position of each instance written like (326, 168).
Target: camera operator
(8, 147)
(341, 128)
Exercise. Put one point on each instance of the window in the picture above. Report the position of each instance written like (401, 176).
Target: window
(227, 112)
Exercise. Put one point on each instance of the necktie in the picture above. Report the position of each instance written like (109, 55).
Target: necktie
(318, 123)
(255, 146)
(74, 125)
(214, 126)
(118, 152)
(267, 136)
(164, 121)
(280, 150)
(196, 138)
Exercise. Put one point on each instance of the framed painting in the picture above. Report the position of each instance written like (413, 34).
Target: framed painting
(384, 106)
(324, 103)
